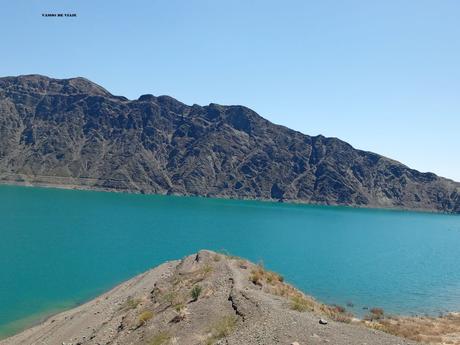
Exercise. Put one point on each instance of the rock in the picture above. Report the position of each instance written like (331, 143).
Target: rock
(322, 322)
(295, 343)
(177, 318)
(155, 142)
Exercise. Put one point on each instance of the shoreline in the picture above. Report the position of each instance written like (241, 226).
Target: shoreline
(35, 319)
(90, 188)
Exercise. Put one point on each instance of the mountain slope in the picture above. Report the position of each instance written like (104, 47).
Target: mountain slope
(74, 132)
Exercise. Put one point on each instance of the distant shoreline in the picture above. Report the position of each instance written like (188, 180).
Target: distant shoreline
(84, 187)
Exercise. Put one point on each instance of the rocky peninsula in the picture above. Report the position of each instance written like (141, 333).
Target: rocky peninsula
(211, 298)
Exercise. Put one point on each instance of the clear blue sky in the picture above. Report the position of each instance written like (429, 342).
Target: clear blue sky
(382, 75)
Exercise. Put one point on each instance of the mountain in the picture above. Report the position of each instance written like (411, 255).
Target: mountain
(72, 132)
(206, 299)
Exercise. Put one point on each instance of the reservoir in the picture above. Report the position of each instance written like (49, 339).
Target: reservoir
(59, 248)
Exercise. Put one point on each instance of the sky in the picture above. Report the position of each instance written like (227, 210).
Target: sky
(381, 75)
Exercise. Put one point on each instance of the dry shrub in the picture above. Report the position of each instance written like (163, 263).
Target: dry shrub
(161, 338)
(221, 329)
(131, 303)
(274, 284)
(207, 269)
(430, 330)
(374, 314)
(337, 309)
(336, 313)
(145, 316)
(171, 297)
(179, 307)
(301, 303)
(377, 312)
(284, 290)
(259, 276)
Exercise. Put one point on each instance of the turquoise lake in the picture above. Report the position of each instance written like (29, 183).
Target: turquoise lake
(59, 248)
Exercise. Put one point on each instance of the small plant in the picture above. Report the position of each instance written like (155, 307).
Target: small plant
(377, 313)
(338, 309)
(222, 329)
(145, 316)
(179, 307)
(256, 279)
(342, 317)
(257, 275)
(196, 292)
(171, 297)
(336, 313)
(282, 290)
(374, 314)
(178, 281)
(161, 338)
(269, 278)
(131, 303)
(300, 303)
(207, 269)
(273, 277)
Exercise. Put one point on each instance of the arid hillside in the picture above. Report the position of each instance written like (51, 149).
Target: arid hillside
(74, 133)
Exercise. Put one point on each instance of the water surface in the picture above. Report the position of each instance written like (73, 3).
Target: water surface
(61, 247)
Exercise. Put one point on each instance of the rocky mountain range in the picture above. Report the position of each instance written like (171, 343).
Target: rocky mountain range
(72, 132)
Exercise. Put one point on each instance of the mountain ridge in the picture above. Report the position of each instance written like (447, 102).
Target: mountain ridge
(73, 129)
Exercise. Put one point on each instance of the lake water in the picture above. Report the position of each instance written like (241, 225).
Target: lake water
(61, 247)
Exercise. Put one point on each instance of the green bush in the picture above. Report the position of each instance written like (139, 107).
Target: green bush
(196, 292)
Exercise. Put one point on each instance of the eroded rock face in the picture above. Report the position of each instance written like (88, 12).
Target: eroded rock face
(74, 132)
